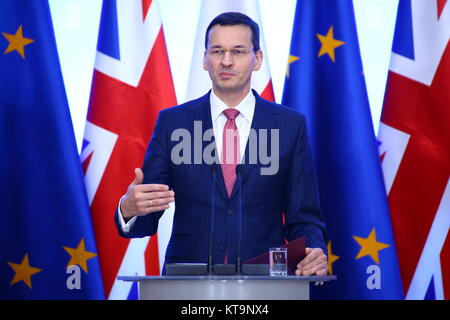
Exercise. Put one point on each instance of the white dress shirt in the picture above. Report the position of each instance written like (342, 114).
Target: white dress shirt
(243, 122)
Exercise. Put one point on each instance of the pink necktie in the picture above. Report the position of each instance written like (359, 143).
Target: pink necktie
(230, 150)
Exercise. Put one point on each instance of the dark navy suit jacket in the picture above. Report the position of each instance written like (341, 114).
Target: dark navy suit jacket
(292, 190)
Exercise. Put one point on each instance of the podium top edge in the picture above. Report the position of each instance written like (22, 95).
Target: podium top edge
(230, 277)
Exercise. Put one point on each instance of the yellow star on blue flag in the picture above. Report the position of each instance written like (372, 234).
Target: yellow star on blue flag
(79, 256)
(291, 59)
(17, 42)
(23, 271)
(370, 246)
(329, 44)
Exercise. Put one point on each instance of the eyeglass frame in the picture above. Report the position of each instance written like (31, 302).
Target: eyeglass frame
(242, 52)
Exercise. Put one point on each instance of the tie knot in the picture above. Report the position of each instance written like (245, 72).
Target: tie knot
(231, 113)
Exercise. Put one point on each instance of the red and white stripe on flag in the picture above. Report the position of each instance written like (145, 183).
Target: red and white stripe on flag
(415, 151)
(127, 94)
(199, 81)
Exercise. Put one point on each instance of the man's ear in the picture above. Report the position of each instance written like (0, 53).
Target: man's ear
(205, 65)
(258, 60)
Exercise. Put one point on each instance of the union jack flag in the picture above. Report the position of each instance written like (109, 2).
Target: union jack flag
(415, 146)
(132, 83)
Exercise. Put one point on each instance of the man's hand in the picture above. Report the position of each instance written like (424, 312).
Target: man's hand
(142, 199)
(315, 263)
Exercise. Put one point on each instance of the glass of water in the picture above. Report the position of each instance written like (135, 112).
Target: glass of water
(278, 261)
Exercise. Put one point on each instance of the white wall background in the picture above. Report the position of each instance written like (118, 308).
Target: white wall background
(76, 24)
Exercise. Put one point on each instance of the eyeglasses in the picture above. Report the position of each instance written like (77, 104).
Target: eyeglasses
(235, 53)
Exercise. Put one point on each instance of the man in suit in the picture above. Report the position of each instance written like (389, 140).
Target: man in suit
(248, 202)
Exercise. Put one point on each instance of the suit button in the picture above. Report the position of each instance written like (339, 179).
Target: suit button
(222, 248)
(230, 212)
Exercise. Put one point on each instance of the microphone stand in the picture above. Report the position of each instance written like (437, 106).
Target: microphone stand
(213, 205)
(238, 256)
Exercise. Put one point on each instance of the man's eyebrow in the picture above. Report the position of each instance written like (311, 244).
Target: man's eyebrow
(220, 47)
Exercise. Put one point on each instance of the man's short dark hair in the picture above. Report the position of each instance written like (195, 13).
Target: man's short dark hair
(232, 19)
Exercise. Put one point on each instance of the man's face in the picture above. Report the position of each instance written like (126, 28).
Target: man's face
(231, 72)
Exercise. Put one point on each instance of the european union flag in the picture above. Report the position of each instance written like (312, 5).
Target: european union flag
(47, 244)
(325, 82)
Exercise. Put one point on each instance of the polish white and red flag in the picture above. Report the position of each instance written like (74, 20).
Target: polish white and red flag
(415, 146)
(132, 82)
(199, 80)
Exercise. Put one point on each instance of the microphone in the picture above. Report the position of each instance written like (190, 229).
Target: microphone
(213, 205)
(239, 182)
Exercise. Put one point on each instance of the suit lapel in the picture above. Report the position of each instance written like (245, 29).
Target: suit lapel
(262, 119)
(201, 111)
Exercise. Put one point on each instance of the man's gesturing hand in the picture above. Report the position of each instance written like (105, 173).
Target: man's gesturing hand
(142, 199)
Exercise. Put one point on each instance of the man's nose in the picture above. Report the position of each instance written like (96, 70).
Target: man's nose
(226, 59)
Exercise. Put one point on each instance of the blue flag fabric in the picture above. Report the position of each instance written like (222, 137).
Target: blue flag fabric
(47, 244)
(325, 82)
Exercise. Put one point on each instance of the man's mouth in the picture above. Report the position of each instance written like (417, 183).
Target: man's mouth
(226, 75)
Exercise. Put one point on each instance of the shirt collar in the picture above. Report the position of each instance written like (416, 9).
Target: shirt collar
(246, 107)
